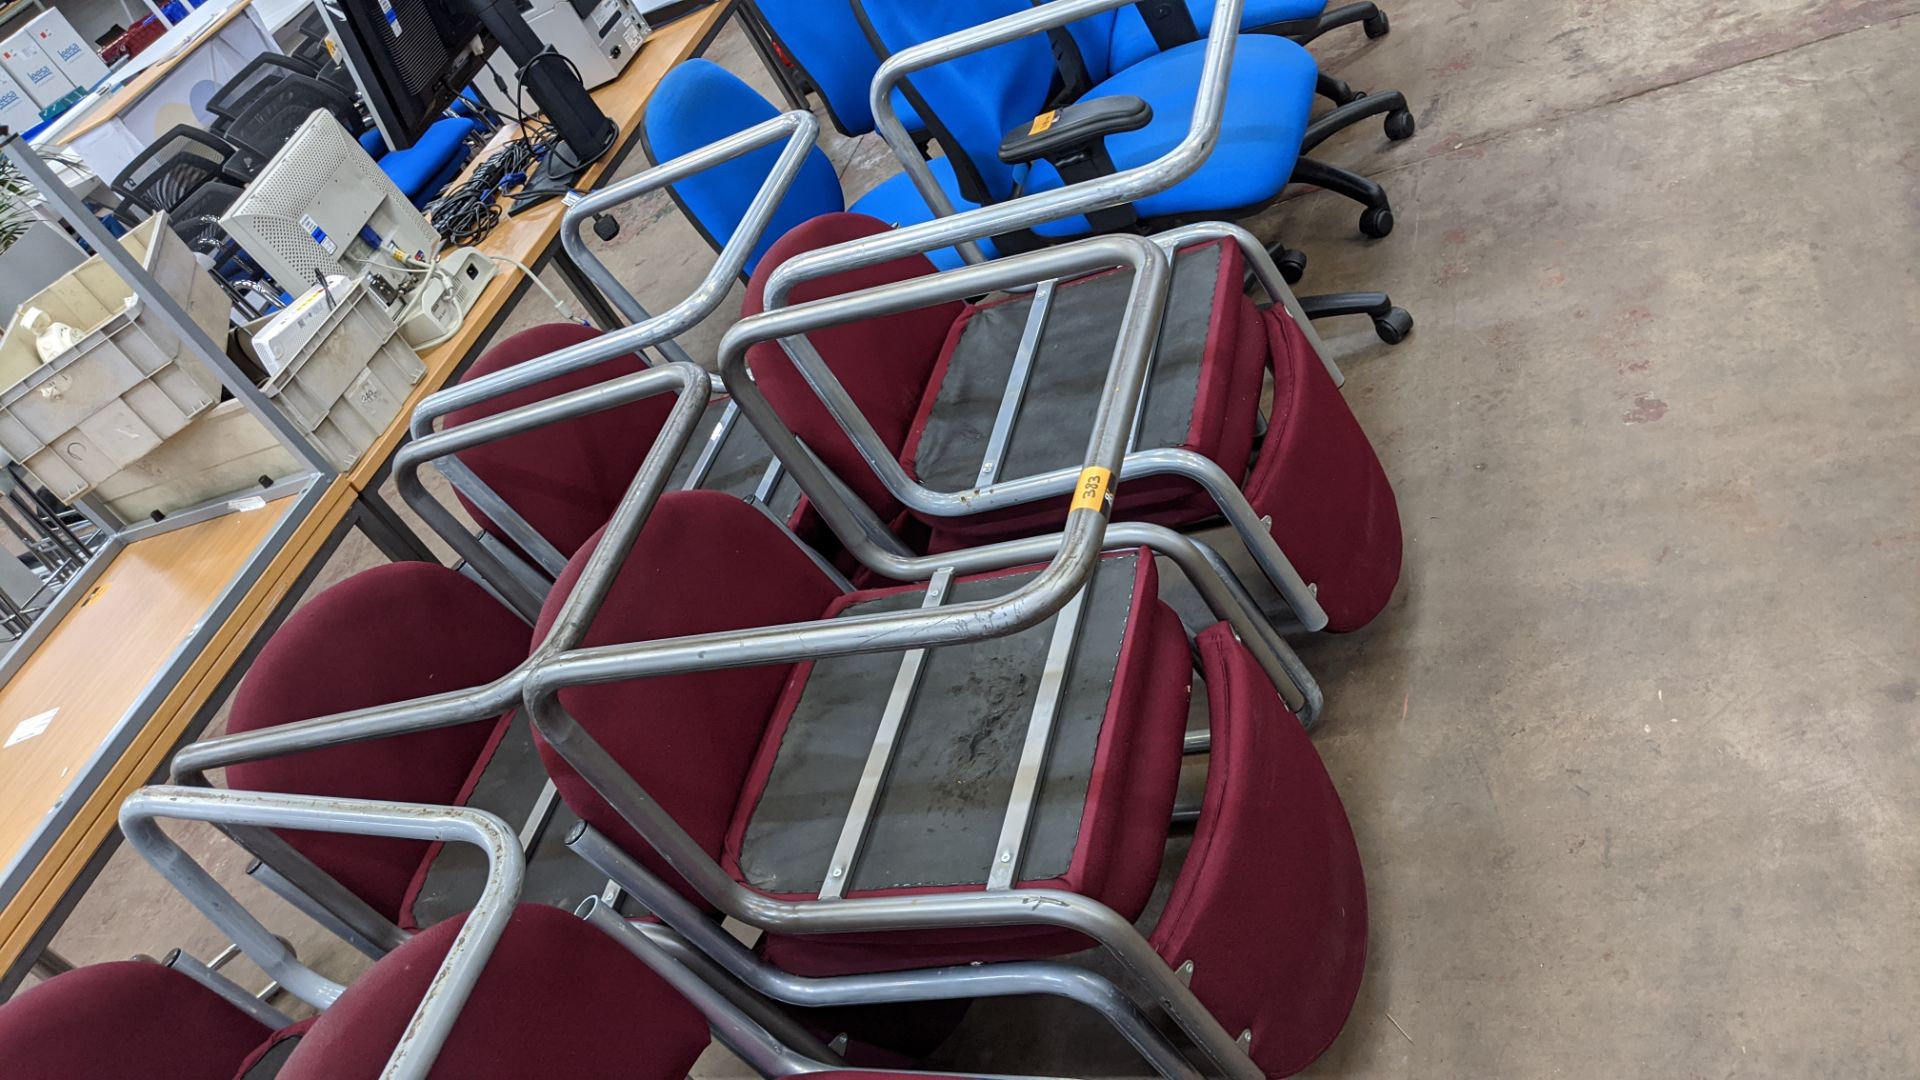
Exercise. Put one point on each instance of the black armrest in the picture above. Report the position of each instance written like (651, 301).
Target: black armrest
(1075, 131)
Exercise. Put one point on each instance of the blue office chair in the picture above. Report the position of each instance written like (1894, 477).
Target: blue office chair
(1301, 20)
(700, 102)
(825, 43)
(996, 114)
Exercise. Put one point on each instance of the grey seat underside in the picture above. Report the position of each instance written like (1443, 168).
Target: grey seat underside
(938, 816)
(1075, 351)
(742, 461)
(510, 786)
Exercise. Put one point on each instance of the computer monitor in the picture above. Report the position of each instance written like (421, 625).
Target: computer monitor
(409, 58)
(412, 58)
(322, 207)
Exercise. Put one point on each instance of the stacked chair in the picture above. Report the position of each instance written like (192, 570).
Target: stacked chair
(919, 726)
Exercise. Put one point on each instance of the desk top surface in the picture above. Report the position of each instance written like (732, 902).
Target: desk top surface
(101, 660)
(526, 237)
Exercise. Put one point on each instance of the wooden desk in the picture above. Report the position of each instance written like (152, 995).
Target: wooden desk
(129, 667)
(137, 86)
(531, 237)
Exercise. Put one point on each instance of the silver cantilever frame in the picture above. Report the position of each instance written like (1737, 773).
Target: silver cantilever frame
(459, 971)
(1073, 558)
(454, 707)
(796, 131)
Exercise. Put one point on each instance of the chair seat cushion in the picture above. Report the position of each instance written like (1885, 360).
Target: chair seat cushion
(557, 998)
(1317, 476)
(898, 203)
(1099, 810)
(387, 634)
(126, 1020)
(1203, 393)
(1272, 848)
(1269, 102)
(414, 169)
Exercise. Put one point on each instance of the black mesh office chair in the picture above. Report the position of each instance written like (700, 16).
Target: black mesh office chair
(197, 217)
(174, 167)
(276, 111)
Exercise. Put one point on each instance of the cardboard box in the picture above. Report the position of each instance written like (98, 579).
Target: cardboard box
(19, 113)
(33, 70)
(71, 53)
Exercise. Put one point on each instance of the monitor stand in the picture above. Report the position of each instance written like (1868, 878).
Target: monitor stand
(585, 132)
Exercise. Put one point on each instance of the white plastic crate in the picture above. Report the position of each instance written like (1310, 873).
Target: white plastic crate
(222, 453)
(123, 388)
(347, 385)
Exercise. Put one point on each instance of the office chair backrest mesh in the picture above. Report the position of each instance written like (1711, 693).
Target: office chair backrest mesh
(196, 218)
(261, 72)
(266, 124)
(169, 170)
(700, 102)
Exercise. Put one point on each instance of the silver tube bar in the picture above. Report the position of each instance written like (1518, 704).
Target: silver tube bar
(1011, 847)
(710, 450)
(906, 684)
(1012, 979)
(1265, 271)
(453, 982)
(232, 993)
(798, 129)
(1016, 391)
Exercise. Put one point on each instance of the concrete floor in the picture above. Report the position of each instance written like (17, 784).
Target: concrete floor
(1634, 757)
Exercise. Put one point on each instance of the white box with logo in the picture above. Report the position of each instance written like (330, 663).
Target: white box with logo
(62, 44)
(33, 70)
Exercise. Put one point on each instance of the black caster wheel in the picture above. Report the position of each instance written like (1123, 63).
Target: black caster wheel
(1292, 263)
(1376, 221)
(1394, 326)
(605, 226)
(1376, 25)
(1400, 125)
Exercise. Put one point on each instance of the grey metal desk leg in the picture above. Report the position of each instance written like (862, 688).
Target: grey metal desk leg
(389, 533)
(50, 963)
(760, 36)
(596, 305)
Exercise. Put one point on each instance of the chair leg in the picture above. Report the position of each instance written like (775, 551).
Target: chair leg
(1393, 103)
(1334, 90)
(1368, 14)
(1393, 324)
(1291, 261)
(1377, 219)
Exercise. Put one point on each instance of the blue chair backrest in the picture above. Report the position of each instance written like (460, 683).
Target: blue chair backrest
(699, 102)
(825, 39)
(1094, 36)
(975, 99)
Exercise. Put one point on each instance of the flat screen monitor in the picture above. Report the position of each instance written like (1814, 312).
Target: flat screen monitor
(410, 58)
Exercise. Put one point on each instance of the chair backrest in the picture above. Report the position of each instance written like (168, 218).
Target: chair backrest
(265, 123)
(124, 1020)
(171, 169)
(824, 39)
(698, 103)
(258, 74)
(970, 102)
(885, 364)
(385, 635)
(704, 562)
(564, 479)
(196, 219)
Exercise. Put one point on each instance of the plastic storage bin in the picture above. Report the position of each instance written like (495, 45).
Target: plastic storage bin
(224, 453)
(124, 387)
(347, 385)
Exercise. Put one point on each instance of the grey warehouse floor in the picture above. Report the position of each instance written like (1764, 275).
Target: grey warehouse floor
(1634, 756)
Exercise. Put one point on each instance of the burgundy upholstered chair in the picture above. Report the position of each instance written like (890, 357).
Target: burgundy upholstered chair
(556, 998)
(930, 381)
(385, 635)
(759, 765)
(564, 479)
